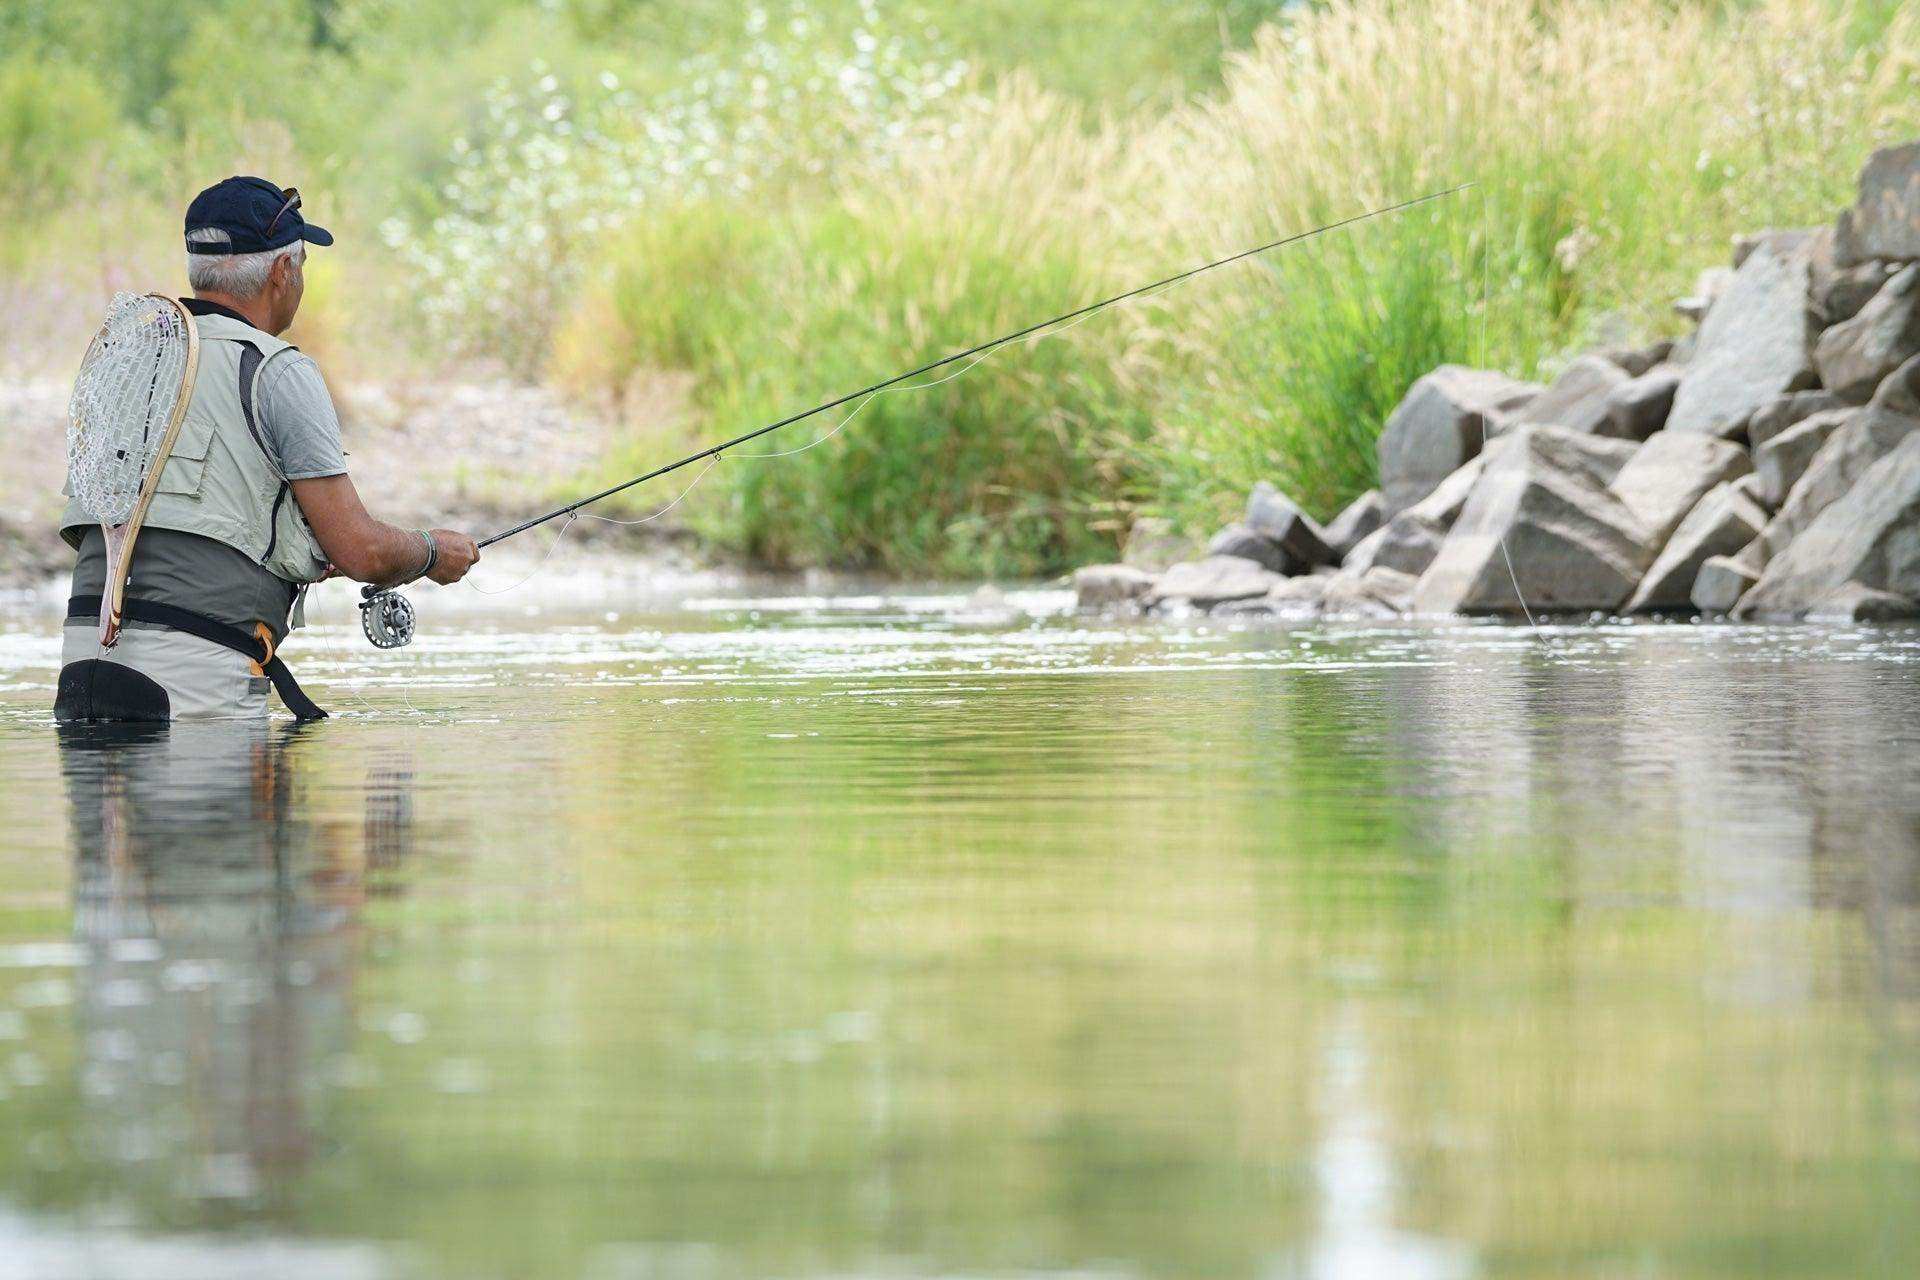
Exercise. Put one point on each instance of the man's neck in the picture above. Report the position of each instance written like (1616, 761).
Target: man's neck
(253, 310)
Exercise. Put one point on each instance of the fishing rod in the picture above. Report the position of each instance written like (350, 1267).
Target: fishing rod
(388, 618)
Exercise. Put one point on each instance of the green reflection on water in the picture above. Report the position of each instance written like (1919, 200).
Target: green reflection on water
(1238, 954)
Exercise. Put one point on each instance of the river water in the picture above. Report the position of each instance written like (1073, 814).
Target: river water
(912, 935)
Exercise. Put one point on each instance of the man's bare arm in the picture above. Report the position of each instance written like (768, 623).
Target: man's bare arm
(370, 550)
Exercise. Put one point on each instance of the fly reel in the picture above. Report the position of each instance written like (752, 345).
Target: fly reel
(387, 618)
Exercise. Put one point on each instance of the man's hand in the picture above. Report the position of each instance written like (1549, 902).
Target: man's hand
(457, 555)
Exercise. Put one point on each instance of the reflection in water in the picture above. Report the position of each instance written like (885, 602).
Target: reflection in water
(869, 946)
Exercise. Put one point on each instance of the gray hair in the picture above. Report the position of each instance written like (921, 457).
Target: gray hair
(239, 275)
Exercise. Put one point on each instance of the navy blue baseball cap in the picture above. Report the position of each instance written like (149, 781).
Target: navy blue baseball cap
(255, 214)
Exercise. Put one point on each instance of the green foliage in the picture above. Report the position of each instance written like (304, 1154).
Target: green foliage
(56, 122)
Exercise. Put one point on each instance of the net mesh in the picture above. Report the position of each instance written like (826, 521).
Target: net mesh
(123, 400)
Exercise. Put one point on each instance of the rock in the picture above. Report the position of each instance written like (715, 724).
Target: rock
(1871, 434)
(1854, 357)
(1154, 545)
(1789, 410)
(1841, 293)
(1639, 360)
(1212, 581)
(1869, 537)
(1639, 406)
(1749, 484)
(1103, 586)
(1665, 480)
(1708, 289)
(1577, 400)
(1754, 346)
(1541, 509)
(1410, 540)
(1885, 220)
(1291, 598)
(1781, 461)
(1442, 423)
(1380, 592)
(1783, 242)
(1720, 524)
(1273, 515)
(1243, 541)
(1721, 583)
(1362, 516)
(1855, 603)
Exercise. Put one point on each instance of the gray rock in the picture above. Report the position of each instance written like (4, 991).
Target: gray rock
(1708, 289)
(1153, 544)
(1292, 598)
(1854, 357)
(1871, 434)
(1666, 479)
(1273, 515)
(1578, 398)
(1639, 360)
(1538, 514)
(1780, 241)
(1787, 411)
(1856, 603)
(1639, 406)
(1361, 517)
(1781, 461)
(1212, 581)
(1410, 540)
(1380, 592)
(1870, 537)
(1723, 522)
(1249, 544)
(1721, 583)
(1754, 346)
(1442, 423)
(1885, 220)
(1749, 484)
(1841, 293)
(1103, 586)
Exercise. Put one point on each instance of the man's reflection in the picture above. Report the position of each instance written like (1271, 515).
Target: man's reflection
(218, 919)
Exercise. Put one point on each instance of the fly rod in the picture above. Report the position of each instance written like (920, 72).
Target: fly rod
(714, 451)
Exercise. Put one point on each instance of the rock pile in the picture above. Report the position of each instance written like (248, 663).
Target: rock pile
(1766, 466)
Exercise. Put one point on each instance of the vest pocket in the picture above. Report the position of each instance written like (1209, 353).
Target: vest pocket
(186, 467)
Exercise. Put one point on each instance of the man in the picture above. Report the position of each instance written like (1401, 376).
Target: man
(252, 507)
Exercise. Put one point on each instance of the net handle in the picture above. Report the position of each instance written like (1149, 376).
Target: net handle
(120, 539)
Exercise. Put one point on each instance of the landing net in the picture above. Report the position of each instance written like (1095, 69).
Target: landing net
(123, 403)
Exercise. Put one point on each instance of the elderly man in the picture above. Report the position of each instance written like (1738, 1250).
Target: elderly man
(247, 516)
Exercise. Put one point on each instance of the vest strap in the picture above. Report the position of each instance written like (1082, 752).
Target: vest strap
(87, 609)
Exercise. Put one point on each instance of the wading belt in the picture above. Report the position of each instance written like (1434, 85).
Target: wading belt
(87, 609)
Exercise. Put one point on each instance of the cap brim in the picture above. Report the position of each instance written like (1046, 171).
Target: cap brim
(316, 235)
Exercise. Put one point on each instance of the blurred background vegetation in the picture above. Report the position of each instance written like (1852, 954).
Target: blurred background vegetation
(702, 215)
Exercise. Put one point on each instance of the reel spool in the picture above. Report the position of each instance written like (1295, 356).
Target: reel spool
(387, 618)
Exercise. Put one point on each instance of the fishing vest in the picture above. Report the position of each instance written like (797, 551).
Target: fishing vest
(220, 482)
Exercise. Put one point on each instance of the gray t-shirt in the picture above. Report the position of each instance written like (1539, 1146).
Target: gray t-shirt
(302, 434)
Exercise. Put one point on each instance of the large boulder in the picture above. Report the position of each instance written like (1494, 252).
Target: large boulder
(1855, 603)
(1361, 517)
(1723, 522)
(1665, 479)
(1442, 423)
(1781, 461)
(1273, 515)
(1214, 580)
(1754, 345)
(1106, 586)
(1884, 221)
(1856, 356)
(1579, 398)
(1870, 538)
(1540, 530)
(1868, 436)
(1721, 582)
(1789, 410)
(1639, 406)
(1250, 544)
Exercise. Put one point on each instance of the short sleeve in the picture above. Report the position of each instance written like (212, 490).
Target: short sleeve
(298, 419)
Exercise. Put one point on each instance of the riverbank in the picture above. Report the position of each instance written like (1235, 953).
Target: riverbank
(1764, 466)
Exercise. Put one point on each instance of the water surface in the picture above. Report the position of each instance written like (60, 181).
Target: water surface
(902, 935)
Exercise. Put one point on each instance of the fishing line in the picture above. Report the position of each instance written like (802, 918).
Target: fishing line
(715, 451)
